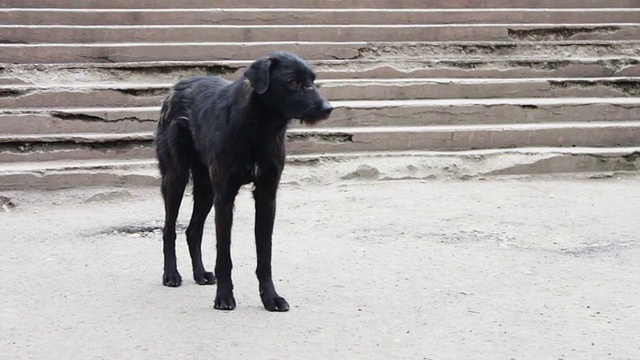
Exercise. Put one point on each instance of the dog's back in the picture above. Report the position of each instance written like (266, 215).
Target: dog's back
(174, 135)
(184, 95)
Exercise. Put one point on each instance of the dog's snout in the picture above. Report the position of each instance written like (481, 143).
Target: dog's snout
(327, 108)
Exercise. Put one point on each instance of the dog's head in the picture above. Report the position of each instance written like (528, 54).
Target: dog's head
(286, 83)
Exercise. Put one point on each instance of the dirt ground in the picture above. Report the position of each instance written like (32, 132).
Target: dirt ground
(529, 268)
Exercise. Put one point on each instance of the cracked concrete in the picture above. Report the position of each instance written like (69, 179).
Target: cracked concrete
(104, 58)
(520, 50)
(93, 118)
(416, 66)
(13, 93)
(66, 53)
(631, 88)
(130, 72)
(444, 125)
(329, 168)
(32, 151)
(559, 33)
(327, 137)
(564, 49)
(152, 94)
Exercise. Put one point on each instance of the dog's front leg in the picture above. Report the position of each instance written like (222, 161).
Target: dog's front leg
(265, 202)
(223, 203)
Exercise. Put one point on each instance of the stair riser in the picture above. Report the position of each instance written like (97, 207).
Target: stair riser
(340, 142)
(305, 33)
(475, 91)
(497, 69)
(467, 140)
(355, 69)
(31, 98)
(128, 121)
(195, 4)
(104, 53)
(47, 124)
(55, 181)
(285, 17)
(28, 152)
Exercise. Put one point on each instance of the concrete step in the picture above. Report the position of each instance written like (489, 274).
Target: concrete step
(61, 34)
(346, 113)
(213, 51)
(38, 147)
(53, 175)
(407, 89)
(142, 95)
(594, 163)
(486, 67)
(76, 146)
(465, 67)
(450, 138)
(454, 4)
(292, 16)
(58, 147)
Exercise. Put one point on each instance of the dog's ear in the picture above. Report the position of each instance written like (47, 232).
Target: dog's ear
(258, 74)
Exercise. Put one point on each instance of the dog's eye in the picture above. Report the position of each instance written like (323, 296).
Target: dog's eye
(295, 82)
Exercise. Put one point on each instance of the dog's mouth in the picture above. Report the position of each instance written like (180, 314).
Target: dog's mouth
(311, 121)
(318, 113)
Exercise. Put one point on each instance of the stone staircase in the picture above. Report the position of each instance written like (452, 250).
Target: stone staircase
(554, 82)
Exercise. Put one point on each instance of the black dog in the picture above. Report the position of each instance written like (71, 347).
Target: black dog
(228, 134)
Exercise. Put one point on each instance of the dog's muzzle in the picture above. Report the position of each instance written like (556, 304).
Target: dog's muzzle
(326, 109)
(321, 112)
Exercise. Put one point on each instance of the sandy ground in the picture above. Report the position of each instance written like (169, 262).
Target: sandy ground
(494, 269)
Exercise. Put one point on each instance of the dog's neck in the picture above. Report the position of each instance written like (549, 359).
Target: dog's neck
(265, 118)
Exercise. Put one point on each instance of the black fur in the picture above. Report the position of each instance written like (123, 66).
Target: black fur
(227, 134)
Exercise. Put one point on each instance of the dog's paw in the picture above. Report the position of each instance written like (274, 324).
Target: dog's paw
(224, 301)
(205, 278)
(274, 303)
(171, 279)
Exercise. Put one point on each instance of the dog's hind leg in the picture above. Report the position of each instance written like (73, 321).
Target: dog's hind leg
(265, 203)
(173, 185)
(202, 202)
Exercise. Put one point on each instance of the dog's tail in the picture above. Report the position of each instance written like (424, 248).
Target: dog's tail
(165, 110)
(172, 108)
(173, 140)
